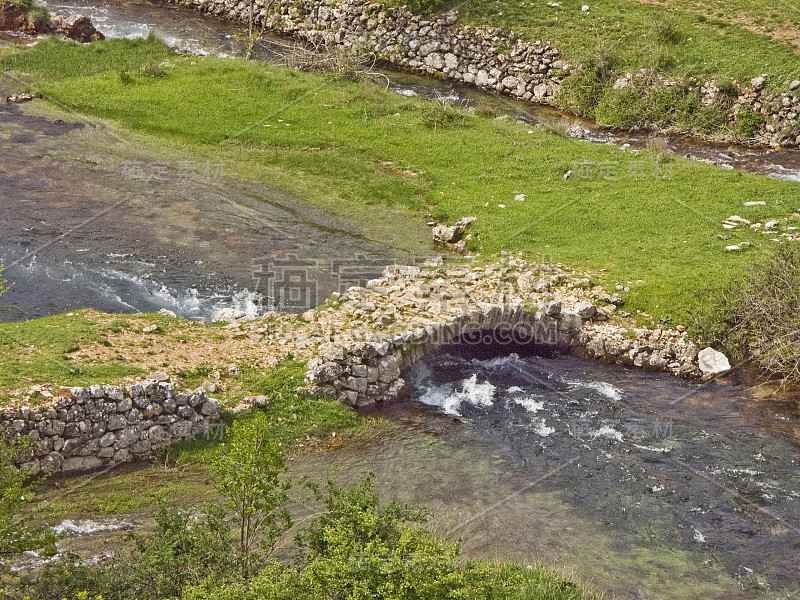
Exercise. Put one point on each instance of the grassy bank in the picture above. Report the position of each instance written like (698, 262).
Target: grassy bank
(650, 220)
(676, 41)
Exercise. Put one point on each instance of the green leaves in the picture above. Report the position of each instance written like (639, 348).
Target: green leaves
(249, 468)
(359, 549)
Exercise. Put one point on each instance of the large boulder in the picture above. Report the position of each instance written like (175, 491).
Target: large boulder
(712, 362)
(76, 27)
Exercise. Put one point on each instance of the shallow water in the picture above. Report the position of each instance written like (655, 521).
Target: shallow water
(645, 485)
(88, 219)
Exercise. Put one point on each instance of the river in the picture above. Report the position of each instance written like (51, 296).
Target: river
(644, 485)
(145, 255)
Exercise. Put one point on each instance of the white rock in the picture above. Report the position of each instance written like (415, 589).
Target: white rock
(771, 224)
(737, 219)
(520, 197)
(227, 315)
(712, 362)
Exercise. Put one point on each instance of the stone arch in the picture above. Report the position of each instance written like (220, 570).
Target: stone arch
(367, 372)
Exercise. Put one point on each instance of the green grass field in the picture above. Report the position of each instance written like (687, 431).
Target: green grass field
(648, 220)
(739, 39)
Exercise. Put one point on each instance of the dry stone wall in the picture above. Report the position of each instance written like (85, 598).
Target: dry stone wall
(491, 58)
(84, 429)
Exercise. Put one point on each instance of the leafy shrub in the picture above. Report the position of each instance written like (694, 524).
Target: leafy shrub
(248, 470)
(747, 122)
(757, 318)
(356, 549)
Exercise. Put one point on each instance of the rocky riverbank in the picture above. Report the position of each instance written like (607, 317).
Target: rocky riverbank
(27, 19)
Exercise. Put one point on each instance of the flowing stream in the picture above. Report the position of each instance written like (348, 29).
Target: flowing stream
(215, 251)
(644, 485)
(650, 486)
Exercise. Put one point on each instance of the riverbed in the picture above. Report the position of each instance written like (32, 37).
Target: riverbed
(94, 219)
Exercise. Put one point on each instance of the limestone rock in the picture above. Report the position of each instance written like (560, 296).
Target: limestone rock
(712, 362)
(227, 315)
(586, 310)
(76, 27)
(444, 234)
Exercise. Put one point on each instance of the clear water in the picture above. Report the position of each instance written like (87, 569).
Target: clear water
(88, 220)
(684, 485)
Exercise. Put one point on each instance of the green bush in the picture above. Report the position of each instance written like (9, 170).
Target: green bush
(356, 549)
(747, 122)
(756, 319)
(152, 69)
(248, 469)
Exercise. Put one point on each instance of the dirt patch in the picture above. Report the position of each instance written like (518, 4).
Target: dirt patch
(15, 18)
